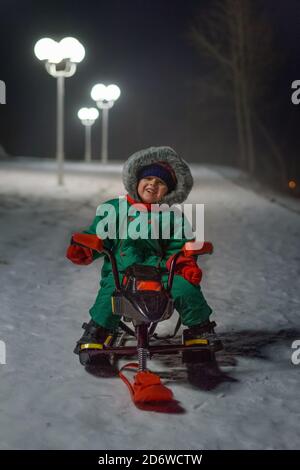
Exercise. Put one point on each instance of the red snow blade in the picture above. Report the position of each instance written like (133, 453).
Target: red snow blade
(148, 393)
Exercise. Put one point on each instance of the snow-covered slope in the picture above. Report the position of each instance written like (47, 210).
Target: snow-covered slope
(48, 401)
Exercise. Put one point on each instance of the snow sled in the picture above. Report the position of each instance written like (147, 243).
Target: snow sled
(143, 300)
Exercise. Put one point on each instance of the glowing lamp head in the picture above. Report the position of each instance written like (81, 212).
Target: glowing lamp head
(98, 92)
(54, 52)
(101, 92)
(72, 49)
(88, 114)
(112, 92)
(45, 48)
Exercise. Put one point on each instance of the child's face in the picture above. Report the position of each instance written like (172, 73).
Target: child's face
(151, 189)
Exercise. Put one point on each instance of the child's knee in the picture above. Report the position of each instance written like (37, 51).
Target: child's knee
(183, 288)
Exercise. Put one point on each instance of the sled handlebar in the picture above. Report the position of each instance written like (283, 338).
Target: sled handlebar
(88, 241)
(197, 248)
(189, 249)
(95, 243)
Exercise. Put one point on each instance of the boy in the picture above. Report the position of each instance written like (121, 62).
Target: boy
(153, 176)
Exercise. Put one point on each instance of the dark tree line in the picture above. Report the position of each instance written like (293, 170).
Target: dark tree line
(238, 39)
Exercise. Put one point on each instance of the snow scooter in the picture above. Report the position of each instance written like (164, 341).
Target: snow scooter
(142, 299)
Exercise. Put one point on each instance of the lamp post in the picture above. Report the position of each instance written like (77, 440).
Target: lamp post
(105, 97)
(87, 117)
(61, 59)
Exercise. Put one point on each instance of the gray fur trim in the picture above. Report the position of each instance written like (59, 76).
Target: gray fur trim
(151, 155)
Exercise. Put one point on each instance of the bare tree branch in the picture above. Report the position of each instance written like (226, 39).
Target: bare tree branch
(210, 48)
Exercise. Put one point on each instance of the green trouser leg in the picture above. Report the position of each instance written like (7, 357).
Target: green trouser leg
(188, 300)
(101, 311)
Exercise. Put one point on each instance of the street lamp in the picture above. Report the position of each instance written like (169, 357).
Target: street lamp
(87, 117)
(105, 96)
(61, 59)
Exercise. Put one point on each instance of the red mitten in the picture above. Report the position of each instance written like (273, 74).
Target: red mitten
(193, 274)
(79, 254)
(187, 267)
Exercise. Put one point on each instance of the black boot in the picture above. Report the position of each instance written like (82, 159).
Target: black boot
(94, 338)
(205, 335)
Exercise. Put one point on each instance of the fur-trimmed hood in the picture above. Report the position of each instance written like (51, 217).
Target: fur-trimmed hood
(151, 155)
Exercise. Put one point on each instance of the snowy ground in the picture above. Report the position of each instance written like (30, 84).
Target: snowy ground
(48, 401)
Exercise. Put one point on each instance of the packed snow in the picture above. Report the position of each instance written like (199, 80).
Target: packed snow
(49, 401)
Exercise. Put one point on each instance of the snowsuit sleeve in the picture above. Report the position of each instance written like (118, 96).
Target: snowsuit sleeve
(94, 230)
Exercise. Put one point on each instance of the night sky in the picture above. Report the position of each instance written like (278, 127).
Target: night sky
(142, 46)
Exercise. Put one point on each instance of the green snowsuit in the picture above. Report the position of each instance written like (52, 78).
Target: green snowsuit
(188, 298)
